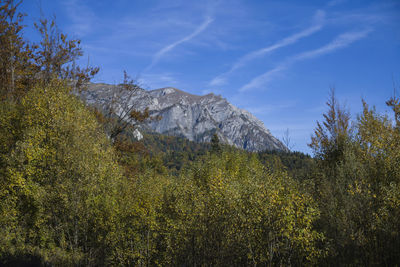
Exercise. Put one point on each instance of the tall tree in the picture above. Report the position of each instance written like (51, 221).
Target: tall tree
(61, 183)
(23, 63)
(356, 182)
(56, 56)
(331, 137)
(15, 53)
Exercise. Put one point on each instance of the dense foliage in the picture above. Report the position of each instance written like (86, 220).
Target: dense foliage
(59, 180)
(77, 190)
(357, 183)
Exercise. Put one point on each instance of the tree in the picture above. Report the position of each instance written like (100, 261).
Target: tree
(331, 137)
(56, 55)
(215, 145)
(227, 209)
(286, 140)
(15, 54)
(380, 154)
(337, 168)
(61, 183)
(117, 113)
(24, 64)
(394, 103)
(356, 183)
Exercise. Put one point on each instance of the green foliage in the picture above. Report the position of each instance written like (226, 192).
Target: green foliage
(229, 210)
(356, 183)
(176, 152)
(71, 195)
(160, 150)
(297, 164)
(61, 182)
(215, 145)
(332, 136)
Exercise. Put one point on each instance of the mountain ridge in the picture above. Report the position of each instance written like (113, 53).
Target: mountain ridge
(195, 117)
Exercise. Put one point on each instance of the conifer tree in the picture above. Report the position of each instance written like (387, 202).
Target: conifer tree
(215, 145)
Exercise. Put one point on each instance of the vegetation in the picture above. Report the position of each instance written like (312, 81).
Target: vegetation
(77, 190)
(357, 183)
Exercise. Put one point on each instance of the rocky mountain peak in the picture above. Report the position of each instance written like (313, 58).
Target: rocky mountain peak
(195, 117)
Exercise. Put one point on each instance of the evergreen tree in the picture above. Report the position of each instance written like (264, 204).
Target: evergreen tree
(215, 145)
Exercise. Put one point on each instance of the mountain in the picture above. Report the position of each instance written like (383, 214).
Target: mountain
(194, 117)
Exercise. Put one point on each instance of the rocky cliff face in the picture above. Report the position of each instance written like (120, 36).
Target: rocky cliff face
(194, 117)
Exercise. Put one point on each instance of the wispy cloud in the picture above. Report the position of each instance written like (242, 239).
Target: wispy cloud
(168, 48)
(318, 22)
(264, 78)
(341, 41)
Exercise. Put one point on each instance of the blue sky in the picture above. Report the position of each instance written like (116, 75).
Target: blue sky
(276, 59)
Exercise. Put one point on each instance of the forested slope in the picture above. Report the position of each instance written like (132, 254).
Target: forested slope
(76, 191)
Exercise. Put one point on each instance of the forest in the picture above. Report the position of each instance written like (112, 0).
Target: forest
(77, 190)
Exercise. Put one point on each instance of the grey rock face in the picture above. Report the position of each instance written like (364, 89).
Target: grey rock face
(137, 135)
(194, 117)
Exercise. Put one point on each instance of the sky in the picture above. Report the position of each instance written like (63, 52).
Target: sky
(276, 59)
